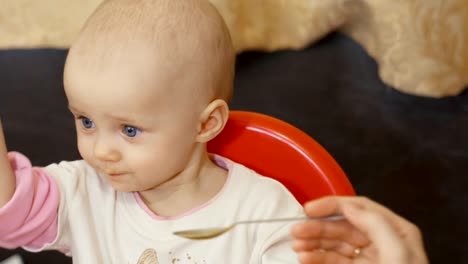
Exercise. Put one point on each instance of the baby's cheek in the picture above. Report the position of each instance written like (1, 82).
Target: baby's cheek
(140, 160)
(84, 148)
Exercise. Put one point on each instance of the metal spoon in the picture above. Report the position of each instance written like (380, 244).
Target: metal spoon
(207, 233)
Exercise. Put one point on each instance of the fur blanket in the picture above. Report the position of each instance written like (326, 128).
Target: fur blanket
(421, 46)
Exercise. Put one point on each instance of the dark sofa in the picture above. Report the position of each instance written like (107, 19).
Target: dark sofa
(409, 153)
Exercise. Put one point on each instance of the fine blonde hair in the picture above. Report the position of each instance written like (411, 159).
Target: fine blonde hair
(185, 30)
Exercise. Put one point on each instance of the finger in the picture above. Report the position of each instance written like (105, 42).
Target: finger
(324, 206)
(391, 246)
(339, 247)
(332, 230)
(409, 235)
(336, 204)
(399, 223)
(415, 251)
(322, 257)
(382, 225)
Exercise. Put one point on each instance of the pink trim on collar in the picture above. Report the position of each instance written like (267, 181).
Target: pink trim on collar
(221, 162)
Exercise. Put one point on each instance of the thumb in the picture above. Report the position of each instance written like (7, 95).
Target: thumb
(384, 237)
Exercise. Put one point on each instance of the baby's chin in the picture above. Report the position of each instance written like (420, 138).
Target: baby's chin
(120, 186)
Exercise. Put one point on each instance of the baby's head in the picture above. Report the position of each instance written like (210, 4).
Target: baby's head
(184, 43)
(148, 82)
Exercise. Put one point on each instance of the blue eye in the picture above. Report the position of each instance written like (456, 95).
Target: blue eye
(131, 131)
(87, 123)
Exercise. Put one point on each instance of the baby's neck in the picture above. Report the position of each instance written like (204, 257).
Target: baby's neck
(191, 192)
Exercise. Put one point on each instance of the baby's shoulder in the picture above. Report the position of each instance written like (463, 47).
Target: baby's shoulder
(260, 190)
(77, 174)
(74, 168)
(261, 197)
(247, 178)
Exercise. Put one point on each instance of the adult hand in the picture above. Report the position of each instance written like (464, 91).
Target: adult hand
(371, 233)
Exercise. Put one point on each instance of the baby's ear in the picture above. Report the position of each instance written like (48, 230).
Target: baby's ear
(212, 120)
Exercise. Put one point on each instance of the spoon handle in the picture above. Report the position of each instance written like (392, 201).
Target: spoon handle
(305, 218)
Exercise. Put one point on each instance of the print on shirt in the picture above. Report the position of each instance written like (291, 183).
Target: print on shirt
(149, 256)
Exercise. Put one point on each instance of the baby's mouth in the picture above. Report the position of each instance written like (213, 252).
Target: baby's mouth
(116, 174)
(113, 173)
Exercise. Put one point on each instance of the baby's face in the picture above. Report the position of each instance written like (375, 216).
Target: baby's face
(134, 125)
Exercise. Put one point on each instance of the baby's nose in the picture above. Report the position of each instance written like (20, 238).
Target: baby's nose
(105, 151)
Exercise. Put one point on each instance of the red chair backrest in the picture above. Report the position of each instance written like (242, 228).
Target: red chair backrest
(281, 151)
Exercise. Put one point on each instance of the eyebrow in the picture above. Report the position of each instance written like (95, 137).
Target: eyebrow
(72, 109)
(123, 120)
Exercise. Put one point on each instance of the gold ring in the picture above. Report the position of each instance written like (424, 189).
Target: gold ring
(357, 252)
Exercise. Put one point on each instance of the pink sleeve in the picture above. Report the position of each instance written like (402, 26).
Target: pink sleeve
(30, 217)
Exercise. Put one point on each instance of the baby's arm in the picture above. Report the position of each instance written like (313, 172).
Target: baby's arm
(29, 200)
(7, 177)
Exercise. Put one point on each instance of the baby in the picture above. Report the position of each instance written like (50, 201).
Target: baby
(148, 83)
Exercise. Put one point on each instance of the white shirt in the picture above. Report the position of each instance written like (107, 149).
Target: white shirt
(100, 225)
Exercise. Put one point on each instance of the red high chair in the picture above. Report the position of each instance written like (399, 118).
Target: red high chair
(281, 151)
